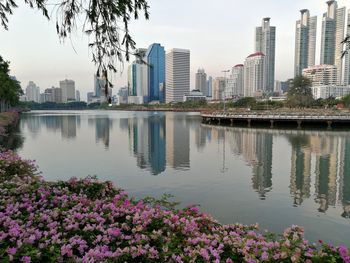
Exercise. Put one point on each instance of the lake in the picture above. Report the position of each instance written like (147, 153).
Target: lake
(274, 177)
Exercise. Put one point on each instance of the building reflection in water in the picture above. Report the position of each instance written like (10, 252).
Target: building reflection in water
(65, 124)
(103, 126)
(160, 141)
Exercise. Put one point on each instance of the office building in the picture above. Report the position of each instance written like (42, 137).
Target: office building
(177, 74)
(138, 83)
(155, 56)
(265, 42)
(254, 75)
(68, 90)
(33, 92)
(201, 82)
(305, 42)
(195, 95)
(210, 86)
(321, 75)
(235, 83)
(77, 95)
(333, 26)
(219, 85)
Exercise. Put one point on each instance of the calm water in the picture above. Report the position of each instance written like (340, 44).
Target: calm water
(274, 177)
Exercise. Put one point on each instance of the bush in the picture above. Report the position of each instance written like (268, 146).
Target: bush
(89, 221)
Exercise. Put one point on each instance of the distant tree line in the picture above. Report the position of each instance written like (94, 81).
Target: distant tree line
(81, 105)
(10, 89)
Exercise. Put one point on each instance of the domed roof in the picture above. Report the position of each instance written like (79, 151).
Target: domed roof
(256, 55)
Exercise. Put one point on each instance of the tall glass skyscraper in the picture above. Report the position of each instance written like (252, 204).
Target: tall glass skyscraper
(265, 42)
(305, 42)
(155, 56)
(333, 28)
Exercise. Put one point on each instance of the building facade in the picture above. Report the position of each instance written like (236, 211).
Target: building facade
(156, 73)
(219, 85)
(177, 74)
(321, 75)
(210, 86)
(305, 42)
(265, 42)
(333, 26)
(325, 92)
(138, 83)
(235, 83)
(254, 75)
(201, 82)
(68, 90)
(33, 92)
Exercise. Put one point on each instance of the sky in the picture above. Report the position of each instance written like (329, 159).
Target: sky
(219, 34)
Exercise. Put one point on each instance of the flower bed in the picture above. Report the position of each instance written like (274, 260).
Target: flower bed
(91, 221)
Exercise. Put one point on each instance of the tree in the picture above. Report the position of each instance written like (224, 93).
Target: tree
(346, 43)
(10, 90)
(105, 21)
(299, 93)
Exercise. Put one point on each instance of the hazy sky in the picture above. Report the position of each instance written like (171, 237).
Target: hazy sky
(220, 34)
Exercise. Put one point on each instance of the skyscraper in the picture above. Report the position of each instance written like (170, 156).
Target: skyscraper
(33, 92)
(99, 85)
(201, 82)
(305, 42)
(138, 83)
(156, 72)
(265, 42)
(347, 57)
(210, 86)
(254, 74)
(235, 84)
(177, 74)
(333, 24)
(68, 90)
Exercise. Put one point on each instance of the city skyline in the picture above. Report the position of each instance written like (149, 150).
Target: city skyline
(65, 63)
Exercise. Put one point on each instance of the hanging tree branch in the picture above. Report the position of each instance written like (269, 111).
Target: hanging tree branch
(106, 24)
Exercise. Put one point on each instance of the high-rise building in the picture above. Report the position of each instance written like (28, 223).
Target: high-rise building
(305, 42)
(235, 83)
(68, 90)
(201, 82)
(347, 57)
(99, 85)
(138, 83)
(321, 75)
(155, 56)
(219, 85)
(333, 25)
(265, 42)
(77, 95)
(254, 74)
(57, 95)
(210, 86)
(177, 74)
(33, 92)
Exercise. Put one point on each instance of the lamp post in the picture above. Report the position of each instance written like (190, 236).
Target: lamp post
(225, 71)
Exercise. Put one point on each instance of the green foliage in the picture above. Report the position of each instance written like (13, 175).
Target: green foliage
(245, 102)
(10, 90)
(346, 100)
(300, 95)
(76, 105)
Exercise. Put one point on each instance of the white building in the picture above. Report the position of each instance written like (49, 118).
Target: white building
(77, 95)
(333, 28)
(235, 83)
(210, 86)
(218, 85)
(177, 74)
(201, 82)
(265, 42)
(305, 42)
(254, 75)
(324, 92)
(194, 95)
(68, 90)
(321, 75)
(33, 92)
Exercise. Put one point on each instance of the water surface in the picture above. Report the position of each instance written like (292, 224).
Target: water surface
(274, 177)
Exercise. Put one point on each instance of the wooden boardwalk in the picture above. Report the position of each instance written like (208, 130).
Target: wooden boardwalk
(274, 117)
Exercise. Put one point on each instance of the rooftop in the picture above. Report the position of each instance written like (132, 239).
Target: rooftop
(256, 55)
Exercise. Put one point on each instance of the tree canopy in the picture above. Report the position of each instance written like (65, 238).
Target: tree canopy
(300, 94)
(10, 89)
(106, 22)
